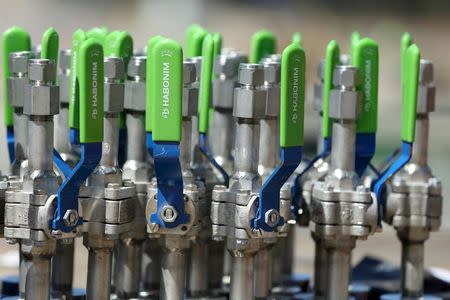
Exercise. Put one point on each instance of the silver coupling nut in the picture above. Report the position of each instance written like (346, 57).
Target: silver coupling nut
(135, 97)
(344, 99)
(190, 89)
(114, 88)
(18, 64)
(272, 78)
(41, 95)
(250, 98)
(318, 87)
(427, 90)
(64, 76)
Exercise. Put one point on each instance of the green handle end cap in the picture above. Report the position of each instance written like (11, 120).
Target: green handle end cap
(409, 102)
(217, 39)
(194, 41)
(332, 58)
(14, 39)
(97, 33)
(90, 74)
(297, 38)
(205, 83)
(354, 39)
(365, 57)
(50, 45)
(405, 42)
(119, 44)
(167, 64)
(292, 96)
(264, 43)
(149, 84)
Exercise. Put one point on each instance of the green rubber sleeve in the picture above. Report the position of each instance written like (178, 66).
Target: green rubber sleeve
(365, 57)
(50, 46)
(188, 33)
(97, 33)
(167, 64)
(149, 83)
(354, 39)
(405, 42)
(78, 38)
(297, 38)
(90, 77)
(409, 102)
(205, 83)
(263, 43)
(194, 41)
(119, 44)
(14, 39)
(332, 58)
(292, 102)
(217, 39)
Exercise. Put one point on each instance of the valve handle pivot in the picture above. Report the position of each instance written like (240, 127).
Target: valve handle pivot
(292, 104)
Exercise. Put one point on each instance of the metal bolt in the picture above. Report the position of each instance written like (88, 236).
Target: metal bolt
(71, 217)
(272, 217)
(113, 185)
(169, 213)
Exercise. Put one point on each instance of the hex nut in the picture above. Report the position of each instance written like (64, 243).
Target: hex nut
(426, 99)
(273, 101)
(344, 105)
(345, 76)
(71, 217)
(64, 88)
(114, 97)
(190, 102)
(42, 100)
(251, 74)
(135, 95)
(16, 90)
(137, 67)
(64, 59)
(189, 72)
(18, 61)
(272, 72)
(318, 97)
(223, 90)
(43, 70)
(272, 217)
(168, 213)
(249, 103)
(227, 66)
(114, 68)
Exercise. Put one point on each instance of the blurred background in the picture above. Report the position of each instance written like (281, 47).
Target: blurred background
(318, 21)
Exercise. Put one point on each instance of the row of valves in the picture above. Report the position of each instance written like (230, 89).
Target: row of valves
(182, 168)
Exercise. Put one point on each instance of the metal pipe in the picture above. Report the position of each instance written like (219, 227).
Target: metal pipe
(198, 269)
(412, 269)
(152, 262)
(338, 277)
(40, 151)
(37, 280)
(20, 140)
(136, 149)
(98, 285)
(62, 268)
(343, 145)
(268, 147)
(242, 279)
(129, 264)
(223, 139)
(185, 150)
(216, 264)
(263, 272)
(420, 149)
(173, 273)
(320, 268)
(110, 145)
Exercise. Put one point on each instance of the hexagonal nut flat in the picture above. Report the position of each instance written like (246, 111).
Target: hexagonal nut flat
(190, 102)
(223, 91)
(64, 88)
(249, 103)
(114, 95)
(135, 96)
(344, 105)
(273, 101)
(16, 88)
(42, 100)
(426, 99)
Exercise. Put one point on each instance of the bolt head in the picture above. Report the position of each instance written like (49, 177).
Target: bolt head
(272, 72)
(71, 217)
(272, 217)
(168, 214)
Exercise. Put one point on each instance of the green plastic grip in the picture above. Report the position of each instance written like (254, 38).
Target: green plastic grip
(149, 83)
(78, 38)
(332, 58)
(264, 43)
(205, 83)
(97, 33)
(50, 46)
(194, 40)
(292, 102)
(167, 64)
(90, 77)
(119, 44)
(217, 39)
(409, 102)
(405, 42)
(14, 39)
(365, 57)
(354, 40)
(297, 38)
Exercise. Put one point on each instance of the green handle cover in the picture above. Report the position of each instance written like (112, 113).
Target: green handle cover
(217, 39)
(50, 46)
(405, 42)
(167, 65)
(205, 83)
(365, 57)
(97, 33)
(188, 33)
(332, 58)
(14, 39)
(297, 38)
(78, 38)
(354, 40)
(90, 77)
(292, 101)
(264, 43)
(149, 84)
(194, 41)
(119, 44)
(409, 103)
